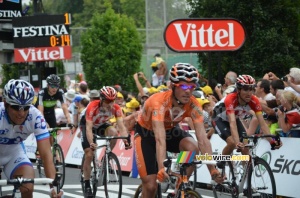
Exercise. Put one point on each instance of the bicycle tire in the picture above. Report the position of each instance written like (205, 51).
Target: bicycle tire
(93, 177)
(195, 178)
(138, 192)
(190, 194)
(229, 187)
(40, 168)
(261, 171)
(112, 178)
(59, 162)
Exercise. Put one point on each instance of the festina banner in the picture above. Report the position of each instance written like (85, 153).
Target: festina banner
(194, 35)
(10, 9)
(42, 54)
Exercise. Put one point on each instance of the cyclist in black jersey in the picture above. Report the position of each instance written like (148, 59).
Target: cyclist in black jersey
(48, 98)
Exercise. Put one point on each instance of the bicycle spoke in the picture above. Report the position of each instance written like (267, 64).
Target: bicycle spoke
(112, 177)
(261, 179)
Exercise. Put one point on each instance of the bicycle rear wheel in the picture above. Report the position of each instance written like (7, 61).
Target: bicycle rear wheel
(112, 179)
(261, 179)
(138, 192)
(59, 162)
(229, 187)
(93, 177)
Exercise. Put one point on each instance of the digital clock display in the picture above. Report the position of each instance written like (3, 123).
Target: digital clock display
(42, 31)
(62, 40)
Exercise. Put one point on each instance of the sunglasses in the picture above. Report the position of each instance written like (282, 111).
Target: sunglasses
(185, 86)
(248, 88)
(108, 101)
(19, 108)
(54, 86)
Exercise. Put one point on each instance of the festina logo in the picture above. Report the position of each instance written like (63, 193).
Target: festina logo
(46, 30)
(10, 13)
(192, 35)
(42, 54)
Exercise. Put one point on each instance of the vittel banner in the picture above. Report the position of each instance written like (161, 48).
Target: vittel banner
(194, 35)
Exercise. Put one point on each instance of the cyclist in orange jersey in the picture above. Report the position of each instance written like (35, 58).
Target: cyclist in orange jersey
(157, 130)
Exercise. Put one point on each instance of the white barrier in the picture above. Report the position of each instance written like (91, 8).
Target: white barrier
(284, 162)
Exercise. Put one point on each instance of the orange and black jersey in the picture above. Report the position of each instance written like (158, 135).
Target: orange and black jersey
(159, 108)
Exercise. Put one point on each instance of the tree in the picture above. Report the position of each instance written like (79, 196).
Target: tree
(272, 35)
(111, 50)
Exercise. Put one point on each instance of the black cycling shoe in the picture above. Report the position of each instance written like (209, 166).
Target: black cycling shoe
(88, 192)
(171, 195)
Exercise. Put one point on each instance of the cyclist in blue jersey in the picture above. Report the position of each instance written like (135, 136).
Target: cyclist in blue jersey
(19, 118)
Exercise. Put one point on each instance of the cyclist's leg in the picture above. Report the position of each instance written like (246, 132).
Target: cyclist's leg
(179, 140)
(107, 129)
(223, 129)
(89, 153)
(20, 165)
(145, 158)
(51, 123)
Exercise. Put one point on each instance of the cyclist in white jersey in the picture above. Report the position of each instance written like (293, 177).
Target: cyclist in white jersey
(18, 119)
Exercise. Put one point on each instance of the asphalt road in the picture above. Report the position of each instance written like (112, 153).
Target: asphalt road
(72, 187)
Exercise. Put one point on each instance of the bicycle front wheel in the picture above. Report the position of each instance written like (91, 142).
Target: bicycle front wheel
(229, 187)
(138, 192)
(112, 179)
(190, 194)
(59, 162)
(261, 180)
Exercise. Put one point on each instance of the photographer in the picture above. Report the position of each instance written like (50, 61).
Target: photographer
(288, 113)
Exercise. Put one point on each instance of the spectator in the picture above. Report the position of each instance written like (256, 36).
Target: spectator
(293, 81)
(154, 80)
(162, 69)
(94, 95)
(263, 90)
(288, 113)
(83, 90)
(229, 85)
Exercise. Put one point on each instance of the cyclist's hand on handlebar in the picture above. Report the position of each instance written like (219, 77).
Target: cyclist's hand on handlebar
(240, 146)
(162, 175)
(53, 193)
(70, 125)
(93, 146)
(276, 143)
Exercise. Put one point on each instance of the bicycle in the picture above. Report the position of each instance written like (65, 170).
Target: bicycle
(19, 181)
(108, 171)
(58, 156)
(256, 171)
(185, 190)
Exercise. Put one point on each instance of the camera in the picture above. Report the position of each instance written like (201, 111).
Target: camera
(280, 108)
(284, 78)
(219, 85)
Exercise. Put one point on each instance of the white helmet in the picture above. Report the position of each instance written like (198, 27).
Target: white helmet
(18, 92)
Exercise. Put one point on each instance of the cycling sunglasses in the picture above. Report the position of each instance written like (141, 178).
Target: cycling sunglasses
(19, 108)
(185, 86)
(108, 101)
(54, 86)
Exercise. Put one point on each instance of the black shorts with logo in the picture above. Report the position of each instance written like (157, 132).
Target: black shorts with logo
(99, 131)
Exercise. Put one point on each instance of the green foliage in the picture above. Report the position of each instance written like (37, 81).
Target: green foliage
(111, 51)
(272, 35)
(11, 71)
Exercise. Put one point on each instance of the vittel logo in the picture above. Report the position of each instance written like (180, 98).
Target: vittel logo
(192, 35)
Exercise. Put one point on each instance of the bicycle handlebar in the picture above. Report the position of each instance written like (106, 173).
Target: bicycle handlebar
(256, 137)
(21, 180)
(128, 138)
(59, 128)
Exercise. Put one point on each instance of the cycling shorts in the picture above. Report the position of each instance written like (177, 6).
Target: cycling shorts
(222, 128)
(14, 158)
(99, 131)
(145, 147)
(51, 120)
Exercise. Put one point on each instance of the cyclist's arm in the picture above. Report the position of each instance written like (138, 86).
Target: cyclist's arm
(121, 127)
(46, 156)
(263, 125)
(160, 140)
(233, 127)
(41, 109)
(89, 131)
(66, 112)
(203, 142)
